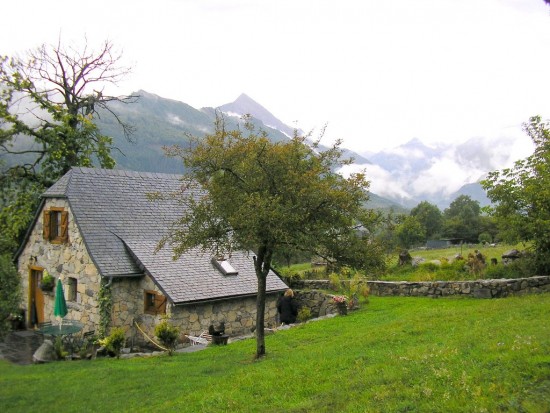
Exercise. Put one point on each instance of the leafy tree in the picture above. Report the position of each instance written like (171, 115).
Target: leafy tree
(48, 102)
(410, 232)
(268, 197)
(488, 225)
(462, 219)
(9, 292)
(430, 217)
(522, 195)
(485, 238)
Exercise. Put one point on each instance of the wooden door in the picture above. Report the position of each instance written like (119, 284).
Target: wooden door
(36, 298)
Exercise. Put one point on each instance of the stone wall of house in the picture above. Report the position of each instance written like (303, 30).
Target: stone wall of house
(70, 259)
(476, 289)
(128, 304)
(239, 315)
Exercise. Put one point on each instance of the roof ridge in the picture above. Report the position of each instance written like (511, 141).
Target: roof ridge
(123, 172)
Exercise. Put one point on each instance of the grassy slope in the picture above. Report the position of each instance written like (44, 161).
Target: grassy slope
(396, 354)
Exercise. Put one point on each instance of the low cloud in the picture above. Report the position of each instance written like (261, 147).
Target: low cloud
(382, 182)
(410, 174)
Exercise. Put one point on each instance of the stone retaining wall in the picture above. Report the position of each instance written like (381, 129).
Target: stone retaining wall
(318, 302)
(477, 289)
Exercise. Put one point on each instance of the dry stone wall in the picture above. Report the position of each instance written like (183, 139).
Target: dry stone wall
(318, 302)
(476, 289)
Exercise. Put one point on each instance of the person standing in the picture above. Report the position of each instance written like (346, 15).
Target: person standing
(287, 308)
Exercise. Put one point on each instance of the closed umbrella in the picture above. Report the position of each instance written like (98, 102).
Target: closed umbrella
(60, 306)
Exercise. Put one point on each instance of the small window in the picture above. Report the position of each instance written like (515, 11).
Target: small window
(55, 228)
(154, 303)
(224, 266)
(72, 289)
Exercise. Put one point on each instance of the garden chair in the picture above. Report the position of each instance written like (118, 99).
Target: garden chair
(203, 338)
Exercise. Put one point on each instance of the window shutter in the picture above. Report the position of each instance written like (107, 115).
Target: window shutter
(64, 226)
(46, 225)
(160, 304)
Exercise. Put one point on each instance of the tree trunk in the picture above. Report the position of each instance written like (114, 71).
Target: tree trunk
(262, 263)
(260, 316)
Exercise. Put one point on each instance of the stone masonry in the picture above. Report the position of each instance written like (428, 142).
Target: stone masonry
(477, 289)
(71, 259)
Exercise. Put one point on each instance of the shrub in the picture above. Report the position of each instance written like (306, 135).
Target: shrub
(520, 268)
(58, 348)
(167, 335)
(334, 281)
(289, 275)
(10, 292)
(48, 281)
(114, 341)
(304, 314)
(429, 267)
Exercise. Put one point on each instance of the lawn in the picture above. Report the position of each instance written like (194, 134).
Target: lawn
(393, 355)
(448, 270)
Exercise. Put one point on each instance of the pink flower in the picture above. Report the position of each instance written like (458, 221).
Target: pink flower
(338, 299)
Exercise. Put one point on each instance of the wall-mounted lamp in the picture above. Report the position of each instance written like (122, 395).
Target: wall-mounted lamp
(33, 259)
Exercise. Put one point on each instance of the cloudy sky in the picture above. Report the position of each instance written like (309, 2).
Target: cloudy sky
(379, 73)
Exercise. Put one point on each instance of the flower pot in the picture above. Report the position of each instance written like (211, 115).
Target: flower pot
(342, 308)
(220, 340)
(47, 287)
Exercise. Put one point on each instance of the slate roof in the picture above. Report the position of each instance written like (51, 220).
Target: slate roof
(121, 228)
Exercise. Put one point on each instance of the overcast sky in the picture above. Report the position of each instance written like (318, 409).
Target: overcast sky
(378, 72)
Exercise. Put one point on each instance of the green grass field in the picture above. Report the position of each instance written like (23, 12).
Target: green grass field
(449, 271)
(393, 355)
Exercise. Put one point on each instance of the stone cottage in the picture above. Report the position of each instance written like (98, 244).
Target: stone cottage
(97, 231)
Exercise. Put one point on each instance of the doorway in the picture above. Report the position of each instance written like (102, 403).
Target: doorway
(36, 297)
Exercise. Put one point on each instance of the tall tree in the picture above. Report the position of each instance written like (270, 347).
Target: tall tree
(48, 102)
(522, 194)
(410, 232)
(430, 217)
(462, 219)
(269, 197)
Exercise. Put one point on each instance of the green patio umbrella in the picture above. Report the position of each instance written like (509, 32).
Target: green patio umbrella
(60, 306)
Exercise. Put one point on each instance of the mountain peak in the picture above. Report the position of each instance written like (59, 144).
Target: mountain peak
(245, 105)
(243, 97)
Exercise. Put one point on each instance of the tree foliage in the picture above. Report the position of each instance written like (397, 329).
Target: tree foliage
(410, 232)
(462, 219)
(522, 195)
(9, 292)
(268, 197)
(48, 102)
(430, 217)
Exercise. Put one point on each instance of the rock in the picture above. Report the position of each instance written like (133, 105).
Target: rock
(404, 258)
(511, 254)
(416, 261)
(45, 353)
(482, 293)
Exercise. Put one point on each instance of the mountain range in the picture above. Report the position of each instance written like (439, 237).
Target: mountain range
(400, 177)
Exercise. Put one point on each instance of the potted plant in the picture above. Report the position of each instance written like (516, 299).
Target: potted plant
(48, 282)
(341, 302)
